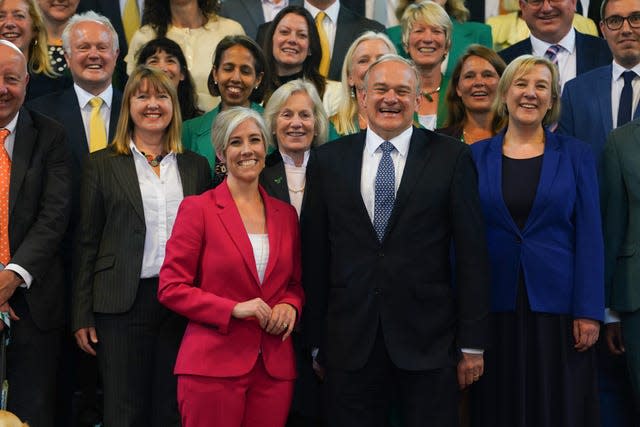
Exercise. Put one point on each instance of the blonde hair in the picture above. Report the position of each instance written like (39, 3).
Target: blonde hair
(428, 12)
(159, 81)
(280, 96)
(517, 68)
(348, 107)
(38, 61)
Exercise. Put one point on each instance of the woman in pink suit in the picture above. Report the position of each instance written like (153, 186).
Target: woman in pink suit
(232, 267)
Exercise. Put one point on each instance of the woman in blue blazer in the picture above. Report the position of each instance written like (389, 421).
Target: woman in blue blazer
(539, 194)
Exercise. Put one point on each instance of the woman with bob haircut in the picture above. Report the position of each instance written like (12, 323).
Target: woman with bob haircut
(233, 270)
(539, 195)
(128, 203)
(167, 55)
(363, 52)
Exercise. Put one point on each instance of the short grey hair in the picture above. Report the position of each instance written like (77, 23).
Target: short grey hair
(280, 96)
(228, 120)
(89, 16)
(396, 58)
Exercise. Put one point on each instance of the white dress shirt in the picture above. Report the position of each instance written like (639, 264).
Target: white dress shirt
(161, 197)
(566, 55)
(9, 143)
(330, 21)
(260, 246)
(85, 108)
(371, 156)
(390, 19)
(617, 83)
(270, 8)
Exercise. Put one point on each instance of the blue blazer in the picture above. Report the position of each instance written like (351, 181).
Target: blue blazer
(586, 108)
(592, 52)
(560, 250)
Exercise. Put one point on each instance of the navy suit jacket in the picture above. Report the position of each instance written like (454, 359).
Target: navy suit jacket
(248, 13)
(560, 249)
(586, 109)
(592, 52)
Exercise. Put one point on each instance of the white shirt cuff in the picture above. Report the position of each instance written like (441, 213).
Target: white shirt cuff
(611, 316)
(24, 274)
(472, 350)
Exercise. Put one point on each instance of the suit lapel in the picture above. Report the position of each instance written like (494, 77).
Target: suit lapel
(548, 174)
(583, 55)
(274, 225)
(124, 170)
(603, 88)
(116, 103)
(275, 178)
(70, 114)
(417, 158)
(25, 140)
(494, 173)
(352, 167)
(230, 218)
(187, 175)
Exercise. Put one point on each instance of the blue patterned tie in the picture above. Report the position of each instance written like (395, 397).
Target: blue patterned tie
(385, 190)
(552, 53)
(626, 99)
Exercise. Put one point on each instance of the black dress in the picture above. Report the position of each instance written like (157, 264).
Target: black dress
(533, 375)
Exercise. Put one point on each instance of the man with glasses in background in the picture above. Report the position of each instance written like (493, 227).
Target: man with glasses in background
(553, 36)
(593, 104)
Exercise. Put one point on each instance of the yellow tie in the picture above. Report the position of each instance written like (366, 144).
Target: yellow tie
(97, 131)
(324, 44)
(5, 178)
(130, 18)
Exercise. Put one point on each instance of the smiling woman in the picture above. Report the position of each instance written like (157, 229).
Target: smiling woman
(139, 180)
(56, 14)
(22, 24)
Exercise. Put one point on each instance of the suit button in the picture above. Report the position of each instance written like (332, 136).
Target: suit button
(376, 291)
(518, 240)
(381, 254)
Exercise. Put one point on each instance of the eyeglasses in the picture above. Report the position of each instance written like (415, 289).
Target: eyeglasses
(616, 22)
(538, 3)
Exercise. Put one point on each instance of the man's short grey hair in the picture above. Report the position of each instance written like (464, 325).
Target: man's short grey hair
(396, 58)
(89, 16)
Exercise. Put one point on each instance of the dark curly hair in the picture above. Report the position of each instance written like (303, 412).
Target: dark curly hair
(259, 64)
(186, 88)
(157, 13)
(311, 63)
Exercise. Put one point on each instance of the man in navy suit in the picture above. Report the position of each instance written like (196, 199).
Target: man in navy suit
(550, 23)
(382, 209)
(590, 107)
(91, 49)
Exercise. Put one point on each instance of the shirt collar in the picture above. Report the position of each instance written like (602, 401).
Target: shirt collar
(11, 126)
(568, 43)
(289, 161)
(332, 11)
(84, 97)
(400, 142)
(617, 70)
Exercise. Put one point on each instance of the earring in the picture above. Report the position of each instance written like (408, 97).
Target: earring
(353, 91)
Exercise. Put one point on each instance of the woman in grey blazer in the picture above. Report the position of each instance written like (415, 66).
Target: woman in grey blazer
(130, 194)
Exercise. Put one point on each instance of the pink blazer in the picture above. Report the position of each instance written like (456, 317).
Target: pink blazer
(209, 267)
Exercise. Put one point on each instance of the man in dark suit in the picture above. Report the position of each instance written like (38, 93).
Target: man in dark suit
(593, 104)
(36, 197)
(92, 70)
(112, 10)
(347, 26)
(551, 29)
(250, 13)
(382, 209)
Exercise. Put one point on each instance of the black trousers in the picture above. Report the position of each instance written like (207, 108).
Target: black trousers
(32, 362)
(363, 397)
(136, 354)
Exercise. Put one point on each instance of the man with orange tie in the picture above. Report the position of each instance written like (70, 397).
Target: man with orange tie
(91, 108)
(35, 197)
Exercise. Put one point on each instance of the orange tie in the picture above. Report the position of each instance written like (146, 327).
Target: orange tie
(5, 175)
